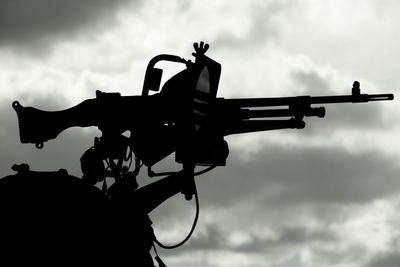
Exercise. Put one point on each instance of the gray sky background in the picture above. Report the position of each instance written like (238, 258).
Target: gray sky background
(325, 196)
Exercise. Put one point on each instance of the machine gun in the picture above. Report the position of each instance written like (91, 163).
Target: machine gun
(185, 117)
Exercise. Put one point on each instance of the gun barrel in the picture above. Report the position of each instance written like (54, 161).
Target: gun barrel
(287, 101)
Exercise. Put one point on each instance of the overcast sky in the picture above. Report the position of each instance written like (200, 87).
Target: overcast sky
(325, 196)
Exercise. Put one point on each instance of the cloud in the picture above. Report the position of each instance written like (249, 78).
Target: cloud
(390, 259)
(312, 82)
(286, 176)
(37, 24)
(288, 241)
(215, 238)
(262, 26)
(211, 239)
(331, 256)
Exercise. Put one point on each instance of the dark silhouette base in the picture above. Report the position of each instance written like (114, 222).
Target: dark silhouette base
(52, 218)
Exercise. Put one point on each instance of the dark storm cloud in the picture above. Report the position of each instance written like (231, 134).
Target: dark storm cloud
(26, 24)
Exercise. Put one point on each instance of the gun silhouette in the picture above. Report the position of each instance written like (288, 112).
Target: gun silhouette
(186, 117)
